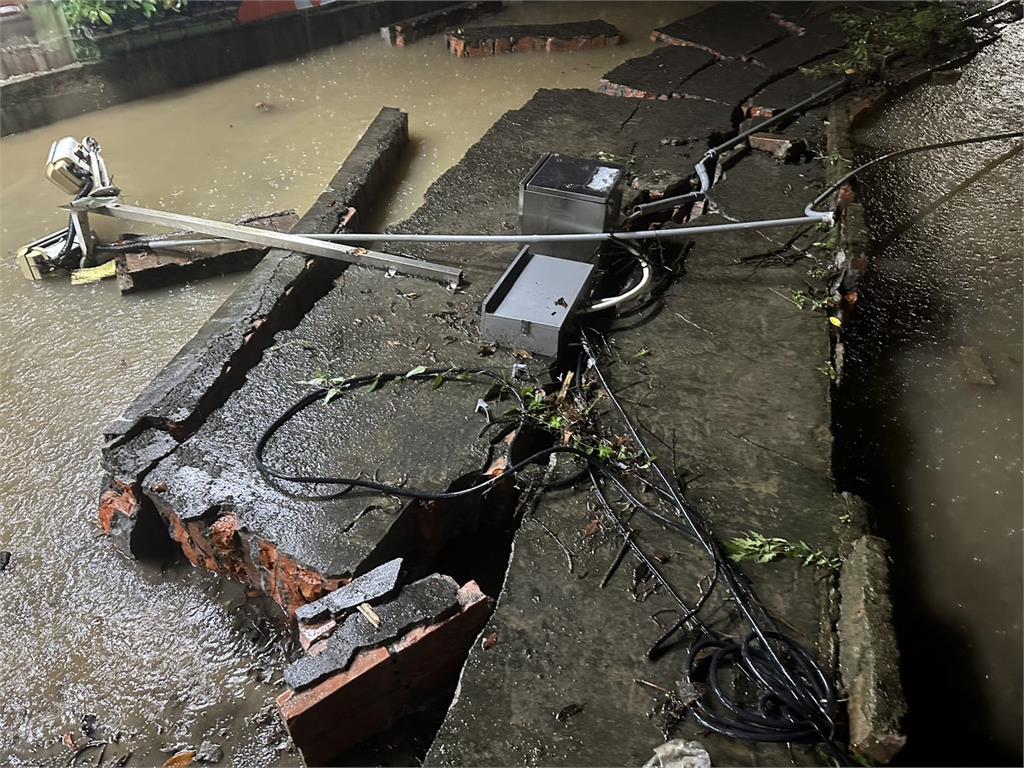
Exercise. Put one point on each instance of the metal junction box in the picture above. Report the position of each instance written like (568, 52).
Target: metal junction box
(533, 304)
(570, 194)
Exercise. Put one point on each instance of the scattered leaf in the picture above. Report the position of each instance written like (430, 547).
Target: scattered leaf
(644, 352)
(835, 321)
(592, 527)
(419, 369)
(489, 641)
(522, 354)
(377, 382)
(332, 393)
(69, 741)
(438, 381)
(486, 350)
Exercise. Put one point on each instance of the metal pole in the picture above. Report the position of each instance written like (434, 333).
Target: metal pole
(243, 234)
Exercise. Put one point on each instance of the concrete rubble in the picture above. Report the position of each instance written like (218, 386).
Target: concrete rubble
(494, 611)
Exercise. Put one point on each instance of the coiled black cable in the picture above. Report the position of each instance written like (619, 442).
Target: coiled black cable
(318, 395)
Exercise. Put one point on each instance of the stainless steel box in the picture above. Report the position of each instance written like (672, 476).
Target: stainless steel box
(570, 194)
(532, 306)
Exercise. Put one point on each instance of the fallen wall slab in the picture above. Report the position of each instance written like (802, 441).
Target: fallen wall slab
(525, 38)
(212, 365)
(406, 31)
(146, 270)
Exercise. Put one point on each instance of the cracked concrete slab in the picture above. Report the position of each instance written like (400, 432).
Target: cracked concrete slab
(368, 323)
(659, 74)
(728, 30)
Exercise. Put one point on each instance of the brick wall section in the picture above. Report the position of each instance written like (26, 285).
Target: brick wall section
(493, 41)
(383, 684)
(410, 30)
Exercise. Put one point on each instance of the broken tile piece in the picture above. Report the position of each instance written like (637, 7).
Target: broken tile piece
(372, 585)
(423, 601)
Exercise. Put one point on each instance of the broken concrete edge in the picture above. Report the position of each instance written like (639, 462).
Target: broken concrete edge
(383, 684)
(213, 364)
(868, 653)
(525, 38)
(402, 33)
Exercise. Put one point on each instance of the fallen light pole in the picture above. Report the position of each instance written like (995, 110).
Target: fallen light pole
(243, 234)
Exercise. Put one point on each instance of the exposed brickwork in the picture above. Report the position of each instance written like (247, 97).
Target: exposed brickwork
(490, 41)
(381, 685)
(402, 33)
(625, 92)
(221, 546)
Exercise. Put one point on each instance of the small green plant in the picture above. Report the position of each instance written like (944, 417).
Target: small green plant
(758, 548)
(829, 369)
(95, 13)
(877, 37)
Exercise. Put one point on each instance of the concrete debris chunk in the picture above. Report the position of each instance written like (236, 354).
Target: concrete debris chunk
(372, 585)
(679, 753)
(781, 148)
(423, 601)
(868, 654)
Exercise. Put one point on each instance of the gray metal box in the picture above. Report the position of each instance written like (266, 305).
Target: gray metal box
(532, 306)
(570, 194)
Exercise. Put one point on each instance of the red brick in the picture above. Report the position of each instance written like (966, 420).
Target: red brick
(118, 500)
(525, 45)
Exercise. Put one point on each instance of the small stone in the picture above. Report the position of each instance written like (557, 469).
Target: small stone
(779, 147)
(209, 752)
(5, 559)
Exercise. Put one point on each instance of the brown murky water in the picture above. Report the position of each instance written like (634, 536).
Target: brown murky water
(172, 657)
(931, 406)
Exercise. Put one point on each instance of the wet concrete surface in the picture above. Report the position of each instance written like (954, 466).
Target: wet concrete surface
(929, 411)
(368, 323)
(730, 368)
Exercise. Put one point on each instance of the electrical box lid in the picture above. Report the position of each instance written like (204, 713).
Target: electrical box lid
(573, 176)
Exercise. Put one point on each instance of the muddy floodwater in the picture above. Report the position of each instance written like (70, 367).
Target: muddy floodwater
(168, 655)
(930, 413)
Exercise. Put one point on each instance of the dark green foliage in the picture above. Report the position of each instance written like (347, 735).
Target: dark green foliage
(877, 37)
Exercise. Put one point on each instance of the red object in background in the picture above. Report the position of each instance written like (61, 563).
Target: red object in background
(256, 10)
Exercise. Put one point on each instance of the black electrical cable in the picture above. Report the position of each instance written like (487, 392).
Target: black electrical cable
(319, 394)
(909, 151)
(796, 699)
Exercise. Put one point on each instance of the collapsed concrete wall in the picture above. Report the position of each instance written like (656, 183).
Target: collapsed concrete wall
(726, 369)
